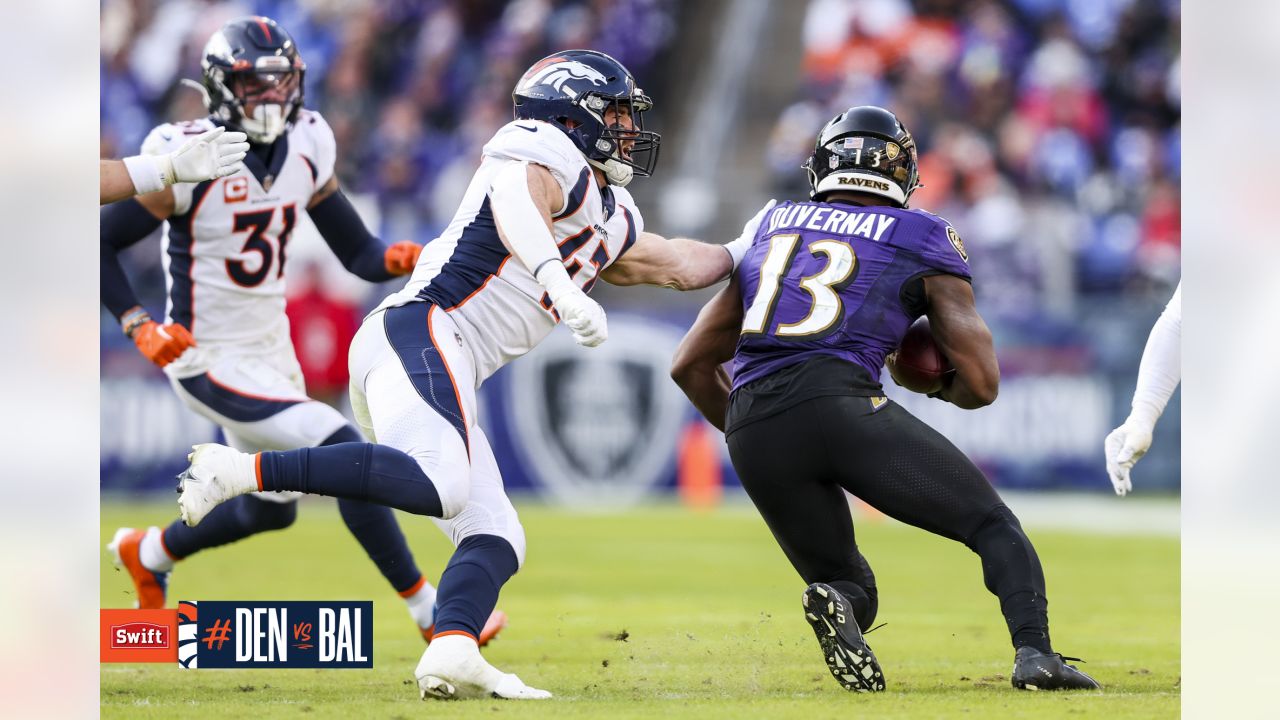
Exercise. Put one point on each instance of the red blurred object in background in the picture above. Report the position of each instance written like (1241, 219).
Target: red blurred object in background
(322, 328)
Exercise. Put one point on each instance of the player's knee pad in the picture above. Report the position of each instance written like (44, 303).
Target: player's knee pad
(476, 519)
(266, 514)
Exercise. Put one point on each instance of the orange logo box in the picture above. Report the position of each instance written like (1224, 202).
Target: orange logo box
(138, 636)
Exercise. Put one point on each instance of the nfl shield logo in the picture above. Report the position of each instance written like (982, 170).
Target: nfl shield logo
(599, 427)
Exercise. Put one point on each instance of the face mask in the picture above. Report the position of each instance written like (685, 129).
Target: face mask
(266, 124)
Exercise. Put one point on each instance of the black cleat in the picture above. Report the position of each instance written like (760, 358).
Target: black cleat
(1034, 670)
(848, 655)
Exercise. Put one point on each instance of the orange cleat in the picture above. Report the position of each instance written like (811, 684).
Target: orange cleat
(150, 586)
(497, 621)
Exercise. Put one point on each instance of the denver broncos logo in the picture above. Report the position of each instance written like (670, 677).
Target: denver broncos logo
(187, 638)
(558, 72)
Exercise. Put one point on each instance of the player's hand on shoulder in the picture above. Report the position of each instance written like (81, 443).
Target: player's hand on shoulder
(210, 155)
(402, 257)
(162, 344)
(1124, 447)
(738, 246)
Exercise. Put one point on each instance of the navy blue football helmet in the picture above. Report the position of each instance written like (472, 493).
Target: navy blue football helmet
(865, 149)
(573, 90)
(252, 62)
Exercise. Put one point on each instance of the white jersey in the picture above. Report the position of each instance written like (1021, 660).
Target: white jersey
(226, 242)
(498, 306)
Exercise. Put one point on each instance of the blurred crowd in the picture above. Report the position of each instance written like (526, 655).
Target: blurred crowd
(1049, 129)
(1049, 132)
(412, 88)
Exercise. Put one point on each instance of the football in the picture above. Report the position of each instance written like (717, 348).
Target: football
(918, 365)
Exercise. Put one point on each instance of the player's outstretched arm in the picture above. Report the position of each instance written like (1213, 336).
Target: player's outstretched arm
(681, 263)
(359, 250)
(523, 197)
(965, 340)
(212, 154)
(121, 225)
(697, 366)
(1158, 376)
(114, 183)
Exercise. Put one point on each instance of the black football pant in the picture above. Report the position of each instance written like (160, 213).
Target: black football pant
(795, 465)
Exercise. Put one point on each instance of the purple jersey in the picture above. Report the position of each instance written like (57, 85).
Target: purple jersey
(828, 279)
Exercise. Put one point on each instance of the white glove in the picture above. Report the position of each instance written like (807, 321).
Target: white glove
(210, 155)
(1124, 447)
(739, 246)
(583, 315)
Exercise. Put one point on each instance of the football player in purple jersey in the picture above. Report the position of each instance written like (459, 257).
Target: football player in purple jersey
(822, 297)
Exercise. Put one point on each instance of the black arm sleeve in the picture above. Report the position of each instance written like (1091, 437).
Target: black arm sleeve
(120, 225)
(341, 227)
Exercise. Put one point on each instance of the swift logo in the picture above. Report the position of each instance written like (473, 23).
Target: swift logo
(139, 635)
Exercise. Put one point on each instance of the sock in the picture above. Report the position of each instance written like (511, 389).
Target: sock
(236, 519)
(152, 553)
(1012, 572)
(863, 601)
(469, 586)
(377, 531)
(354, 470)
(421, 600)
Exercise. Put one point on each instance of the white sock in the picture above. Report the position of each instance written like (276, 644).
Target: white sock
(152, 554)
(422, 605)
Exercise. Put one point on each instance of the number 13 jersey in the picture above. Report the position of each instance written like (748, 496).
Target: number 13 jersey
(831, 279)
(226, 243)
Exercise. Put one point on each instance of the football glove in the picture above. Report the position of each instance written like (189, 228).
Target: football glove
(583, 315)
(212, 154)
(402, 257)
(739, 246)
(162, 344)
(1124, 447)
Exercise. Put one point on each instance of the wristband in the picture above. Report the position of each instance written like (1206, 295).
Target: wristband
(737, 249)
(133, 320)
(148, 173)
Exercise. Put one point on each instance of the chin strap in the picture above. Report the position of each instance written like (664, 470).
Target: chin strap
(617, 173)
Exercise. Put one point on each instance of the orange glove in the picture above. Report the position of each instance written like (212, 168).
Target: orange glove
(162, 344)
(401, 257)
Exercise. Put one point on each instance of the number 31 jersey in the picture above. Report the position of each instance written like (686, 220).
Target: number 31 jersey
(830, 279)
(226, 243)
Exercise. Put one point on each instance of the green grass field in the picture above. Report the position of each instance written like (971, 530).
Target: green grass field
(712, 617)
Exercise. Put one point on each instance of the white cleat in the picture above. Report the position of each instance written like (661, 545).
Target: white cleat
(217, 473)
(452, 668)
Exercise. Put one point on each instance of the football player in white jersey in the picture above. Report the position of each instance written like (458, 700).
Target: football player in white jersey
(225, 341)
(1158, 376)
(545, 216)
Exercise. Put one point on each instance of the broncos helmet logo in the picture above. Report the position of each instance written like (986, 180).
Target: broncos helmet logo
(558, 72)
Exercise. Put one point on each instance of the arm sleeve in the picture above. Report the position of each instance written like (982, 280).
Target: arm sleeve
(1161, 368)
(120, 225)
(361, 253)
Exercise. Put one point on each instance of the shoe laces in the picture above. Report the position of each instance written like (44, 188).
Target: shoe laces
(868, 632)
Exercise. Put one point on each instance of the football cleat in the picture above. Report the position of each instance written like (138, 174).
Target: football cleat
(847, 653)
(1035, 670)
(150, 586)
(452, 668)
(494, 625)
(217, 473)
